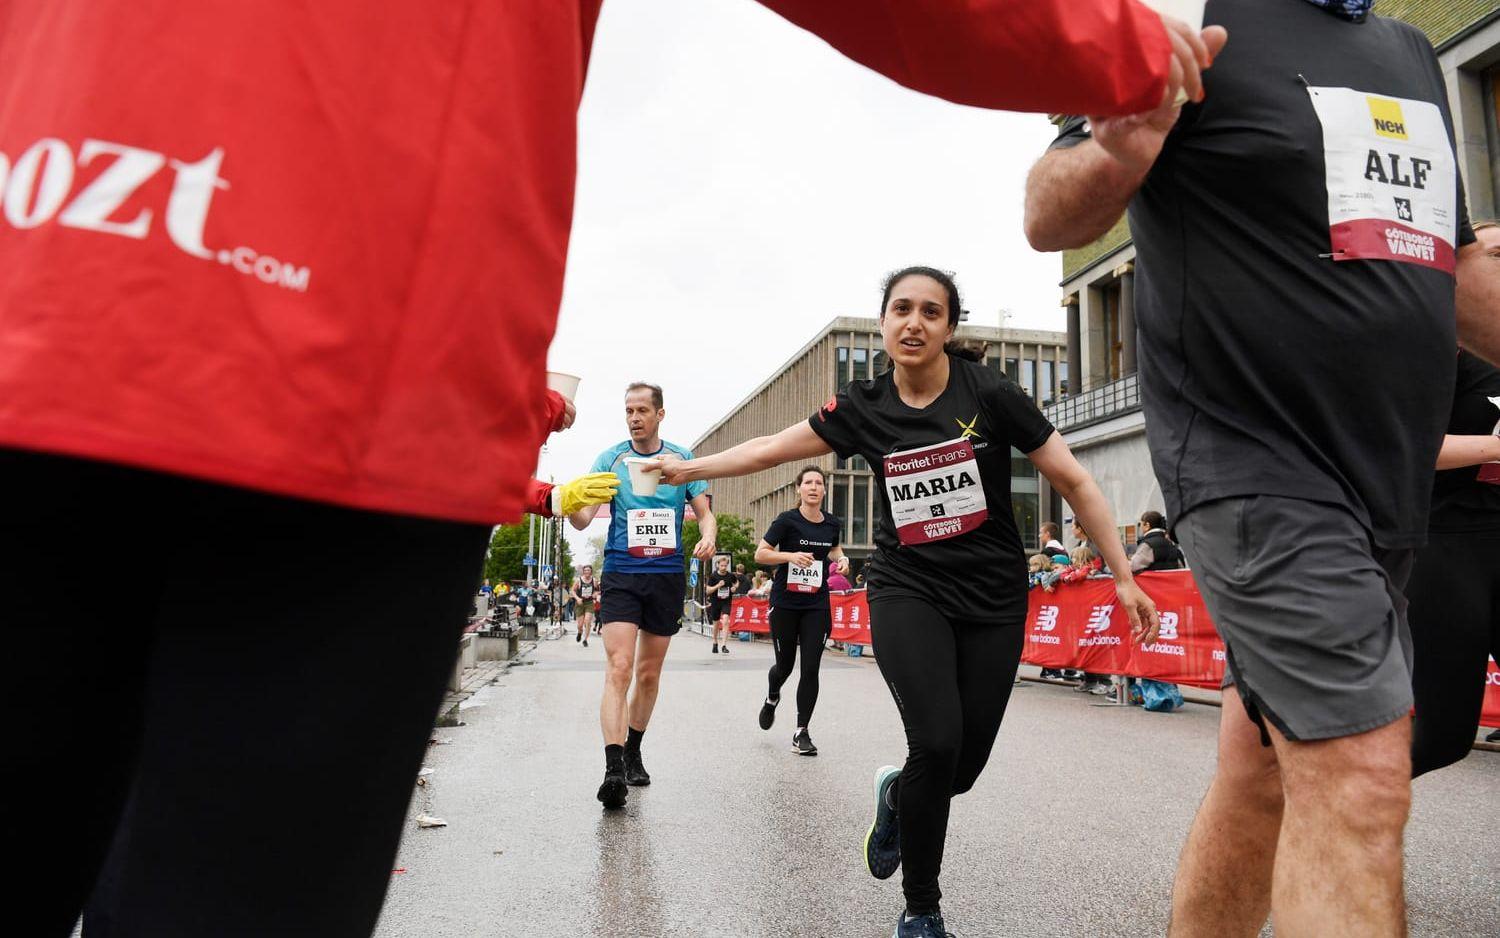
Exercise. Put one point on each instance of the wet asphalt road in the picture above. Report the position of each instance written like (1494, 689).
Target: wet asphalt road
(1073, 829)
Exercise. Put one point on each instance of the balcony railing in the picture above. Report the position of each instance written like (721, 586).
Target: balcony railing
(1110, 400)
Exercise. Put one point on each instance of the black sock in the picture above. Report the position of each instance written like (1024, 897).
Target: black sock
(614, 758)
(633, 741)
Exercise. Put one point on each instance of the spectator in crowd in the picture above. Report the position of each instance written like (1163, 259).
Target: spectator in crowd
(760, 586)
(1155, 549)
(838, 583)
(1038, 566)
(741, 581)
(1050, 537)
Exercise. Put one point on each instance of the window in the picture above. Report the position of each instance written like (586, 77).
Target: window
(839, 505)
(1113, 341)
(1013, 368)
(857, 462)
(861, 364)
(1025, 498)
(879, 363)
(860, 511)
(841, 372)
(1062, 379)
(1028, 378)
(1047, 394)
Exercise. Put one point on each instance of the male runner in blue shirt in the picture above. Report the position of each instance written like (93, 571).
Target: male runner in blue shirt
(642, 588)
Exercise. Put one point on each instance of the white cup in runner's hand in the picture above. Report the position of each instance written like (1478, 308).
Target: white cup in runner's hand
(564, 384)
(642, 481)
(1190, 12)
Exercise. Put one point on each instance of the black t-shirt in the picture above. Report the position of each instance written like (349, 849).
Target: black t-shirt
(721, 587)
(793, 533)
(1266, 366)
(1461, 503)
(979, 574)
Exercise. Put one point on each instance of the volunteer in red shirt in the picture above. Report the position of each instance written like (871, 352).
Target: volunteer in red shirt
(277, 293)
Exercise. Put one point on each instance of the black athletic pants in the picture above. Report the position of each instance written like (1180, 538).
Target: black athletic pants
(1454, 611)
(226, 694)
(790, 629)
(951, 681)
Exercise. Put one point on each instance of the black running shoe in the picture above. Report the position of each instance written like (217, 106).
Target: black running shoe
(921, 926)
(1493, 737)
(883, 842)
(802, 744)
(716, 649)
(768, 713)
(724, 650)
(635, 771)
(612, 793)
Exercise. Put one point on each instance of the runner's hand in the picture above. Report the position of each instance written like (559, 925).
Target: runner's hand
(803, 559)
(1135, 140)
(1141, 611)
(705, 548)
(596, 488)
(1192, 52)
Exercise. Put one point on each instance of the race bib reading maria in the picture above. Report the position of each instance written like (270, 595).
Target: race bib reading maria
(651, 532)
(1391, 176)
(804, 579)
(935, 492)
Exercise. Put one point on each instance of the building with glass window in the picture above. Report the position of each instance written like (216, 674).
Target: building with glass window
(849, 349)
(1101, 418)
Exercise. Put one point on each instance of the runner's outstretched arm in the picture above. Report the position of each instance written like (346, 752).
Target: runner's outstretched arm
(795, 442)
(1052, 56)
(1054, 460)
(1459, 452)
(1479, 302)
(708, 527)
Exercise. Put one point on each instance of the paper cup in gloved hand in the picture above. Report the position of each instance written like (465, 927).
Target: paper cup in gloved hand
(642, 481)
(564, 384)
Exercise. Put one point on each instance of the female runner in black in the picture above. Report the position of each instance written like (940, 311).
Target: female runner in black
(937, 430)
(803, 545)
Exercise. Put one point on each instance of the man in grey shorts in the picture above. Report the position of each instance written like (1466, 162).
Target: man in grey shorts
(1296, 302)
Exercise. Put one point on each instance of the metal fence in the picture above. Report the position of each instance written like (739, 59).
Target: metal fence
(1111, 400)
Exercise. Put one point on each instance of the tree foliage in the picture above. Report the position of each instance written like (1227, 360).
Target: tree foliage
(507, 550)
(736, 536)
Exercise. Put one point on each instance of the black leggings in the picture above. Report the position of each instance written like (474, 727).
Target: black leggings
(1454, 595)
(251, 683)
(951, 682)
(789, 629)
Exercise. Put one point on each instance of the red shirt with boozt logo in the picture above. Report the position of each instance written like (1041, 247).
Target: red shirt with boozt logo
(317, 249)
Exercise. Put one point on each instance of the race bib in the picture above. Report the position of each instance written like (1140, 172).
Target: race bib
(1490, 471)
(935, 492)
(651, 532)
(1391, 178)
(804, 579)
(586, 590)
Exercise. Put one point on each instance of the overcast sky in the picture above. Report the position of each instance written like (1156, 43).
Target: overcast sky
(740, 184)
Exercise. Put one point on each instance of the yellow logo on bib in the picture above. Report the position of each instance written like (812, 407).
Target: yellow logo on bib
(1389, 121)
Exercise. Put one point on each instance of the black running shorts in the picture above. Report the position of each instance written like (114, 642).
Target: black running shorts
(652, 601)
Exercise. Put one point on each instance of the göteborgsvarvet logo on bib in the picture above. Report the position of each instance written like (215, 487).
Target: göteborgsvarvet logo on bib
(1391, 178)
(935, 492)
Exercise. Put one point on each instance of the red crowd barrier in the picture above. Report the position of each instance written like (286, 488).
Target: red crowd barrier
(1081, 626)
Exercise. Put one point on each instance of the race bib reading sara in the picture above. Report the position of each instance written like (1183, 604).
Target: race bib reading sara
(1391, 176)
(651, 532)
(804, 579)
(935, 492)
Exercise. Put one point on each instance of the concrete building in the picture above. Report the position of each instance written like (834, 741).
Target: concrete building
(1102, 421)
(849, 349)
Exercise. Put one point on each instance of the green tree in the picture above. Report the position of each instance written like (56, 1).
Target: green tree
(508, 549)
(736, 536)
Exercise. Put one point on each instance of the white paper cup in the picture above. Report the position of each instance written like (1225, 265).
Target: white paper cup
(564, 384)
(642, 481)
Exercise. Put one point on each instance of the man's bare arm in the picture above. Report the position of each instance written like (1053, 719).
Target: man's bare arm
(1074, 196)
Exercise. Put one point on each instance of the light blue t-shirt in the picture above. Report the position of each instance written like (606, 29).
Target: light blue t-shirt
(652, 530)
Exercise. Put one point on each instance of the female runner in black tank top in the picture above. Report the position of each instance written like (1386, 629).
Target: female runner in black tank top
(937, 431)
(803, 544)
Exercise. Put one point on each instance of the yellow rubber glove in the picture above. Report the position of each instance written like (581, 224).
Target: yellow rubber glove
(596, 488)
